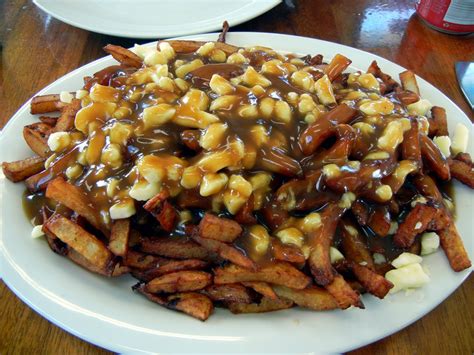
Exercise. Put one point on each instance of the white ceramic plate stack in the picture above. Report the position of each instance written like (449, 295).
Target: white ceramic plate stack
(106, 311)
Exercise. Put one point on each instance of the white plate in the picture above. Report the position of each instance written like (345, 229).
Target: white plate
(154, 18)
(106, 312)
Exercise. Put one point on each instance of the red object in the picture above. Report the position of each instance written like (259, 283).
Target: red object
(449, 16)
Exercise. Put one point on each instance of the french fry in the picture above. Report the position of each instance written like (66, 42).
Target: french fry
(73, 198)
(119, 234)
(371, 281)
(465, 158)
(142, 261)
(279, 273)
(163, 211)
(166, 267)
(408, 81)
(343, 293)
(22, 169)
(228, 293)
(315, 298)
(434, 158)
(225, 29)
(65, 122)
(354, 246)
(438, 122)
(123, 56)
(265, 305)
(360, 211)
(91, 248)
(407, 97)
(285, 252)
(261, 287)
(191, 46)
(411, 149)
(453, 247)
(50, 121)
(45, 104)
(460, 171)
(389, 83)
(180, 281)
(245, 215)
(221, 229)
(194, 304)
(276, 162)
(338, 64)
(36, 136)
(427, 187)
(226, 252)
(379, 221)
(176, 248)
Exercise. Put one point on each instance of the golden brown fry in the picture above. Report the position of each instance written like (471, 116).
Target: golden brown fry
(408, 81)
(338, 64)
(50, 121)
(194, 304)
(22, 169)
(379, 221)
(228, 293)
(371, 281)
(411, 149)
(461, 171)
(80, 240)
(191, 46)
(73, 198)
(287, 252)
(65, 122)
(124, 56)
(261, 287)
(343, 293)
(168, 266)
(427, 187)
(279, 273)
(176, 248)
(407, 97)
(388, 83)
(45, 104)
(36, 136)
(265, 305)
(415, 223)
(438, 122)
(180, 281)
(434, 158)
(453, 247)
(354, 246)
(226, 252)
(118, 243)
(221, 229)
(142, 261)
(314, 298)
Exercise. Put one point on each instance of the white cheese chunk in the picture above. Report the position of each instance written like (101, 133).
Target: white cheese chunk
(406, 277)
(406, 259)
(429, 243)
(37, 231)
(335, 255)
(460, 139)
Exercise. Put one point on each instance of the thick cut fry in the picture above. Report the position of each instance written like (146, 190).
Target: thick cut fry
(261, 287)
(50, 121)
(372, 282)
(320, 242)
(36, 136)
(265, 305)
(453, 247)
(245, 215)
(124, 56)
(180, 281)
(142, 261)
(276, 162)
(416, 222)
(407, 97)
(279, 273)
(360, 211)
(286, 252)
(228, 293)
(194, 304)
(80, 240)
(438, 122)
(427, 187)
(343, 293)
(22, 169)
(411, 149)
(55, 244)
(315, 298)
(45, 104)
(434, 158)
(168, 266)
(118, 243)
(226, 252)
(354, 246)
(191, 46)
(460, 171)
(221, 229)
(408, 81)
(65, 122)
(379, 221)
(465, 158)
(177, 248)
(73, 198)
(163, 211)
(389, 83)
(338, 64)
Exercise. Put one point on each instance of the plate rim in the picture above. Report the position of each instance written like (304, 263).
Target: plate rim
(98, 341)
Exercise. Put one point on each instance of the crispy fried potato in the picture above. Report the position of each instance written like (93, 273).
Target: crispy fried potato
(22, 169)
(228, 293)
(410, 145)
(91, 248)
(180, 281)
(461, 171)
(176, 248)
(343, 293)
(50, 121)
(118, 243)
(164, 212)
(433, 157)
(415, 223)
(65, 122)
(265, 305)
(194, 304)
(389, 83)
(72, 197)
(408, 81)
(360, 211)
(379, 221)
(438, 122)
(261, 287)
(371, 281)
(124, 56)
(221, 229)
(286, 252)
(407, 97)
(168, 266)
(453, 247)
(427, 187)
(45, 104)
(354, 246)
(142, 261)
(279, 273)
(226, 252)
(191, 46)
(36, 136)
(314, 298)
(338, 64)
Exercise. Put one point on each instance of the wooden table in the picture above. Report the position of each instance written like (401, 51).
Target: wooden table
(37, 49)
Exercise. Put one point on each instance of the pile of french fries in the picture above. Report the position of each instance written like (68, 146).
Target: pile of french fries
(219, 175)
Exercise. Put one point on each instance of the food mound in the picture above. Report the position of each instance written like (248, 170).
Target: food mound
(245, 178)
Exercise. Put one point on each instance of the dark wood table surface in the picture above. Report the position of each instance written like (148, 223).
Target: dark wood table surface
(37, 49)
